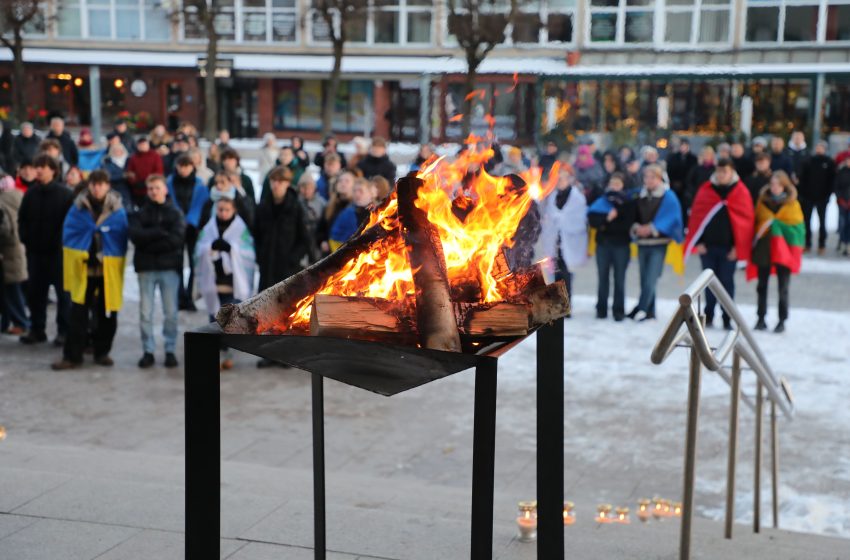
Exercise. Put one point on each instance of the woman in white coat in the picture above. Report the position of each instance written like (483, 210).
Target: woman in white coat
(563, 238)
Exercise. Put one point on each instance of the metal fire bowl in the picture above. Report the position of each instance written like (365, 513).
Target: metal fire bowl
(383, 368)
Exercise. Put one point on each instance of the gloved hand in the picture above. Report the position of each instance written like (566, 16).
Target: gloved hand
(221, 245)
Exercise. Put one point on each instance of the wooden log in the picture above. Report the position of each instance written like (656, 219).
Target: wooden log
(496, 319)
(548, 303)
(435, 320)
(268, 308)
(362, 318)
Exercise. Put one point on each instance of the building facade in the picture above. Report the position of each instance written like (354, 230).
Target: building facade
(611, 67)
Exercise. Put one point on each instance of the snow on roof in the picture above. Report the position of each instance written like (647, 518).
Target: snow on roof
(106, 57)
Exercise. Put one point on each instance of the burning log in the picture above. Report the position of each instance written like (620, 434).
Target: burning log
(435, 318)
(548, 303)
(493, 320)
(281, 300)
(362, 318)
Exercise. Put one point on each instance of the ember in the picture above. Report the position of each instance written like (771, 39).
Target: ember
(435, 249)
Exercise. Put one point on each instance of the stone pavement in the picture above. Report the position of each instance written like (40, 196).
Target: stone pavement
(92, 466)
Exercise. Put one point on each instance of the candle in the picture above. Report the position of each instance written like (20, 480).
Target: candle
(657, 508)
(603, 514)
(677, 509)
(623, 515)
(644, 512)
(569, 513)
(527, 521)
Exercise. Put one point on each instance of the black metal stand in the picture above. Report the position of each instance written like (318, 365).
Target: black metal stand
(319, 531)
(484, 459)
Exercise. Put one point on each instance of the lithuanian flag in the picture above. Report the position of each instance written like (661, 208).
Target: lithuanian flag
(785, 232)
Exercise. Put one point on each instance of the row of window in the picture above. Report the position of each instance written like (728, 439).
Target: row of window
(411, 22)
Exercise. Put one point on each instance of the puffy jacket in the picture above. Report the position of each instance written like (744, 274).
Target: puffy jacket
(156, 231)
(42, 216)
(24, 149)
(281, 238)
(372, 166)
(11, 250)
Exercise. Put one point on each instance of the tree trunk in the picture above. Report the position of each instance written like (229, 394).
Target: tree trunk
(19, 108)
(472, 63)
(210, 93)
(333, 87)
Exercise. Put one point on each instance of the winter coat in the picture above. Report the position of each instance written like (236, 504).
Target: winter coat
(24, 149)
(817, 179)
(679, 165)
(41, 216)
(69, 148)
(799, 158)
(782, 161)
(698, 176)
(372, 166)
(569, 224)
(282, 238)
(744, 165)
(319, 160)
(128, 141)
(116, 175)
(617, 231)
(157, 232)
(783, 221)
(842, 187)
(11, 249)
(314, 209)
(592, 179)
(755, 183)
(141, 165)
(268, 160)
(347, 223)
(189, 195)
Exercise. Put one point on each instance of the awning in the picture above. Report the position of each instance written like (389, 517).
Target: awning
(106, 57)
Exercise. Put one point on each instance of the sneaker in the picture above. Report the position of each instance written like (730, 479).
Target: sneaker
(64, 364)
(226, 364)
(264, 363)
(33, 338)
(59, 341)
(146, 360)
(640, 316)
(105, 361)
(760, 325)
(780, 327)
(171, 360)
(632, 313)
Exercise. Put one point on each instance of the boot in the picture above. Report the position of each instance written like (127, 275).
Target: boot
(780, 327)
(171, 360)
(63, 364)
(760, 325)
(146, 360)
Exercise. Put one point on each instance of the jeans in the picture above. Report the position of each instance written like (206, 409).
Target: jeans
(612, 257)
(783, 276)
(105, 324)
(716, 259)
(844, 224)
(168, 282)
(14, 310)
(808, 209)
(651, 261)
(45, 271)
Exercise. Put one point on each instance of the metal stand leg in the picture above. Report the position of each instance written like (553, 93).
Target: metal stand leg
(320, 547)
(550, 441)
(484, 460)
(757, 481)
(774, 457)
(203, 446)
(733, 444)
(690, 457)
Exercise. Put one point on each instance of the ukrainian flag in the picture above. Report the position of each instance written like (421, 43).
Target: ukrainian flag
(77, 235)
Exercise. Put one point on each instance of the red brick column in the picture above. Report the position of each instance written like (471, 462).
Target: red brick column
(265, 105)
(381, 105)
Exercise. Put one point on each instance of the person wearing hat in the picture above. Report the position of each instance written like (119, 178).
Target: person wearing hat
(817, 180)
(679, 165)
(378, 163)
(758, 145)
(142, 164)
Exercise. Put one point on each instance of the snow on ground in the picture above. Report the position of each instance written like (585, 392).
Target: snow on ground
(627, 415)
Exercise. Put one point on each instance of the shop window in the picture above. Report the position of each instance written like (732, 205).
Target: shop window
(299, 105)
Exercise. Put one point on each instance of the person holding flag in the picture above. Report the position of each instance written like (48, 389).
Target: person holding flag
(94, 240)
(720, 230)
(658, 226)
(778, 244)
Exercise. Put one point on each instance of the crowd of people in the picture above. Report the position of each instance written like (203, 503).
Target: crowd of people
(70, 211)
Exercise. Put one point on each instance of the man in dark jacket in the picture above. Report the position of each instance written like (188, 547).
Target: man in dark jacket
(25, 145)
(124, 135)
(40, 221)
(58, 133)
(798, 153)
(759, 178)
(679, 164)
(329, 146)
(779, 158)
(744, 164)
(378, 163)
(816, 185)
(157, 232)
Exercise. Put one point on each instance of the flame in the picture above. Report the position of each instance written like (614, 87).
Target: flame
(475, 216)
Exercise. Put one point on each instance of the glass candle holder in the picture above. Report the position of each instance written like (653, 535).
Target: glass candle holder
(603, 513)
(677, 509)
(526, 521)
(657, 508)
(666, 508)
(644, 511)
(622, 515)
(569, 513)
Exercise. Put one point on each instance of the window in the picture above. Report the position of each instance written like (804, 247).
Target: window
(622, 21)
(386, 22)
(249, 21)
(783, 21)
(547, 21)
(838, 21)
(122, 20)
(697, 21)
(511, 108)
(298, 105)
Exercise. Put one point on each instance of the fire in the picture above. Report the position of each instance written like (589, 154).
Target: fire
(475, 215)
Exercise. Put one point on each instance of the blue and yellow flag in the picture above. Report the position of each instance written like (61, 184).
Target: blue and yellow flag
(77, 235)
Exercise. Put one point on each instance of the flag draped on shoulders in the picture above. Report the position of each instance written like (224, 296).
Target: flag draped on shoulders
(781, 233)
(78, 232)
(200, 195)
(706, 205)
(240, 261)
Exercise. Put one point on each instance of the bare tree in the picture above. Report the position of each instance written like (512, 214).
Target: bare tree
(17, 17)
(478, 26)
(337, 15)
(201, 19)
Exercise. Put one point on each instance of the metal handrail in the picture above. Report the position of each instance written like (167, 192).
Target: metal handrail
(686, 329)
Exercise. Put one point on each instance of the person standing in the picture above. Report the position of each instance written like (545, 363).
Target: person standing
(115, 165)
(612, 215)
(564, 226)
(230, 164)
(314, 208)
(589, 173)
(698, 176)
(122, 132)
(328, 176)
(720, 230)
(58, 133)
(679, 165)
(189, 195)
(142, 164)
(779, 158)
(13, 262)
(157, 231)
(378, 163)
(40, 221)
(744, 164)
(363, 196)
(760, 177)
(778, 244)
(658, 222)
(94, 240)
(329, 146)
(816, 184)
(25, 145)
(842, 194)
(798, 153)
(268, 154)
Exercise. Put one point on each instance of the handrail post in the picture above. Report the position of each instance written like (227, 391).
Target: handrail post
(733, 444)
(757, 469)
(774, 458)
(690, 457)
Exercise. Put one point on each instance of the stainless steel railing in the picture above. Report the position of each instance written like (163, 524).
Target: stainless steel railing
(686, 329)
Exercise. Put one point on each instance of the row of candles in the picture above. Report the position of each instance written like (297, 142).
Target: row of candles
(659, 508)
